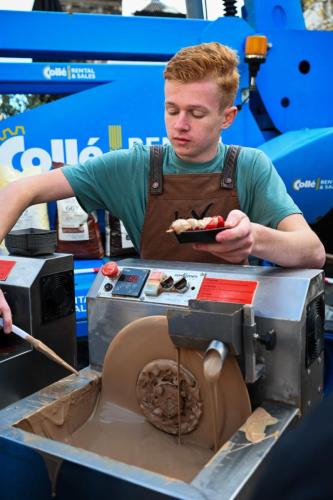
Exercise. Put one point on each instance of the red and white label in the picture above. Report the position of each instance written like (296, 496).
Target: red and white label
(221, 290)
(5, 267)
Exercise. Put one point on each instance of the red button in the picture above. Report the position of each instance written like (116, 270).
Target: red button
(110, 269)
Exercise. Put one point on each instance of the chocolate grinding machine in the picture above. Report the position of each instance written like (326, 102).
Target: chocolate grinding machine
(270, 319)
(40, 293)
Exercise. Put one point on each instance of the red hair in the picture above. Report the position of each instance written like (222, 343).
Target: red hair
(207, 61)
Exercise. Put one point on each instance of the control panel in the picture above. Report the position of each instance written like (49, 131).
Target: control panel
(163, 286)
(130, 282)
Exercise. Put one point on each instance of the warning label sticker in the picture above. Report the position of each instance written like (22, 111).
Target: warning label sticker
(221, 290)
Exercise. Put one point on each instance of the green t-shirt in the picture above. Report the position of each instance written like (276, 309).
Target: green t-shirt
(117, 181)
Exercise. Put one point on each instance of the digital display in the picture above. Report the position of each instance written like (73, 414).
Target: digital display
(129, 278)
(130, 282)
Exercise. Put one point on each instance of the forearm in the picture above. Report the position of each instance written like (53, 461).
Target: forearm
(14, 199)
(19, 195)
(299, 248)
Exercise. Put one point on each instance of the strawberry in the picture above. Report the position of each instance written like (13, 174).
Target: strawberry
(220, 221)
(215, 222)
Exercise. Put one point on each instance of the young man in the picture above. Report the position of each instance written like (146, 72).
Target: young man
(199, 177)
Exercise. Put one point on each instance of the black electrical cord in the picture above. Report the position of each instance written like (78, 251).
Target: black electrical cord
(230, 8)
(244, 101)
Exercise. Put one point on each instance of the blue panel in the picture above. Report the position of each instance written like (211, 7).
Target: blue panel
(274, 14)
(83, 283)
(81, 329)
(59, 35)
(63, 77)
(304, 160)
(60, 131)
(295, 99)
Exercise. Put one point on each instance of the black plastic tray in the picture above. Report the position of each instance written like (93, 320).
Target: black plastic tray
(199, 236)
(31, 241)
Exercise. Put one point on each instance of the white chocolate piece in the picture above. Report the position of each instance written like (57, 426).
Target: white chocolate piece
(203, 223)
(193, 223)
(180, 225)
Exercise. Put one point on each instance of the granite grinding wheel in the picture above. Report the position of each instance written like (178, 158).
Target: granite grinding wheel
(142, 348)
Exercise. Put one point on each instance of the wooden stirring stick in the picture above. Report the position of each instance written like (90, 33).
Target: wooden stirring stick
(40, 346)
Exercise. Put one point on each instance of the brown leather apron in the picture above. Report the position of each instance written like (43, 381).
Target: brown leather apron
(181, 196)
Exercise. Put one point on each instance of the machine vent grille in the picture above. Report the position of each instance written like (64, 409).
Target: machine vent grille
(315, 317)
(57, 295)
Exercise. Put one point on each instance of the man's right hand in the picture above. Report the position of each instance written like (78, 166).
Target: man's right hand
(5, 313)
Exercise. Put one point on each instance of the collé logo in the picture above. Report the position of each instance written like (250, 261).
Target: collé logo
(316, 184)
(15, 154)
(68, 72)
(55, 71)
(298, 184)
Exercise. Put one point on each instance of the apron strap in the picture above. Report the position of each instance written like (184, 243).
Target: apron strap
(229, 169)
(156, 170)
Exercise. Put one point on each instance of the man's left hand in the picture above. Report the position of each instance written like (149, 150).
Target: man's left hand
(234, 244)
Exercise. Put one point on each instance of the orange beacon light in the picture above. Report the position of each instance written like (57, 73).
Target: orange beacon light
(255, 55)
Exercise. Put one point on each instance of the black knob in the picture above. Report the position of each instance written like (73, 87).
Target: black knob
(108, 287)
(181, 285)
(268, 339)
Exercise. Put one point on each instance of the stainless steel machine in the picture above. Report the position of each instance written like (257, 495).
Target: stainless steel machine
(270, 320)
(287, 302)
(40, 293)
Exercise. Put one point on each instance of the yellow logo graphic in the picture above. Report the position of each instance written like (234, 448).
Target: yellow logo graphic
(7, 131)
(115, 137)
